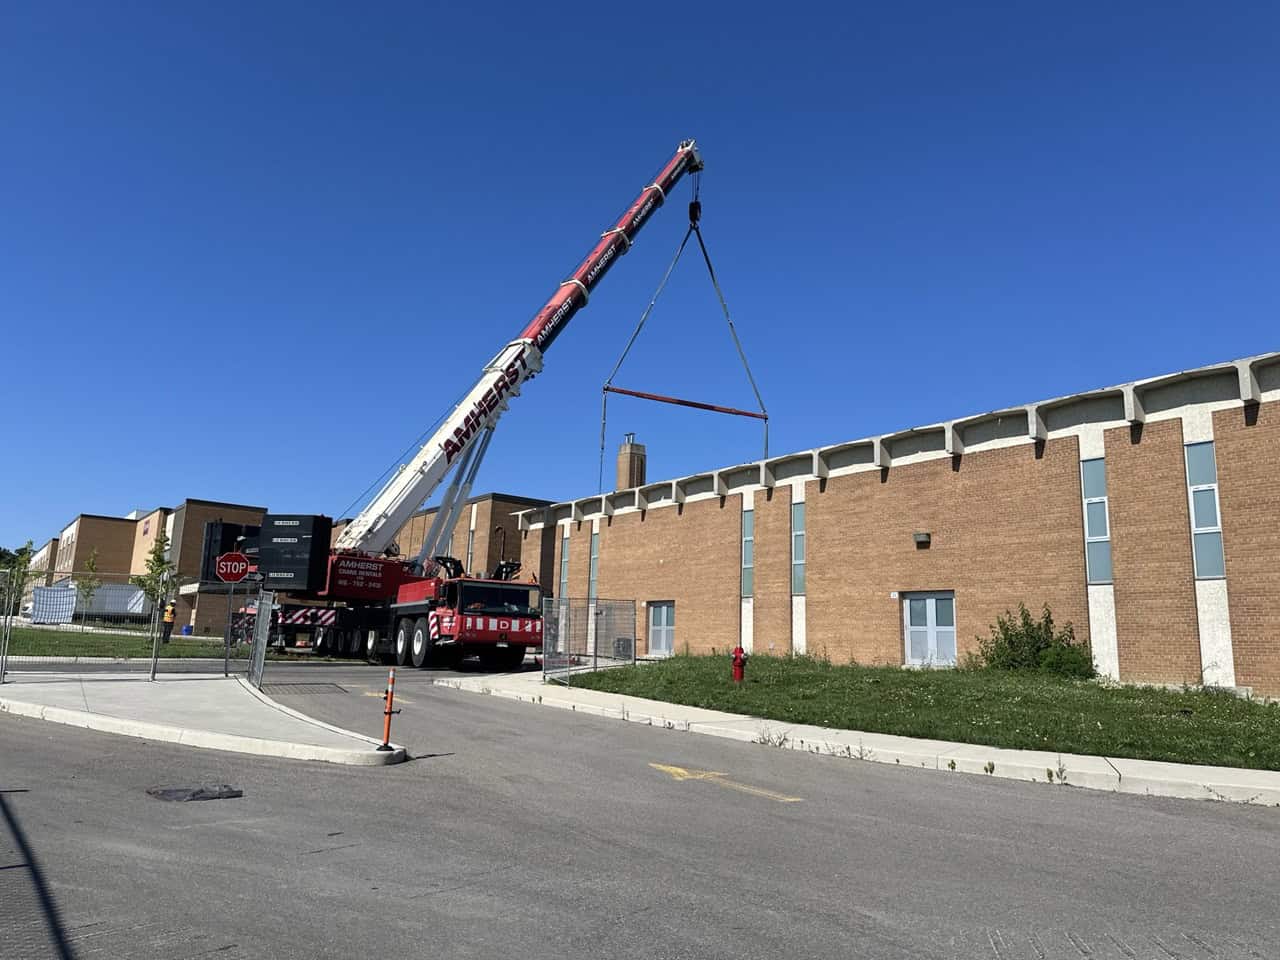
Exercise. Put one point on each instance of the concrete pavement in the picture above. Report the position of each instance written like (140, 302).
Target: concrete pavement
(1183, 780)
(208, 711)
(540, 834)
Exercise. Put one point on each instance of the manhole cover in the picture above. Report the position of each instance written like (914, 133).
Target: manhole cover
(204, 791)
(294, 689)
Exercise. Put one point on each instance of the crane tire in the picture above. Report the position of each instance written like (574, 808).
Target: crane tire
(422, 643)
(404, 638)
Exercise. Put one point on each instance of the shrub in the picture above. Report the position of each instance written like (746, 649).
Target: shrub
(1024, 643)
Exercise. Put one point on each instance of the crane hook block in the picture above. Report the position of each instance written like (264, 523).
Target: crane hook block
(695, 211)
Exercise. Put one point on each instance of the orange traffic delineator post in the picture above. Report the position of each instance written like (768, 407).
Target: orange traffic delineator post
(387, 711)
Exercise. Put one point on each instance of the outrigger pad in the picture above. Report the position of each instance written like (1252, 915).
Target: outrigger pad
(206, 791)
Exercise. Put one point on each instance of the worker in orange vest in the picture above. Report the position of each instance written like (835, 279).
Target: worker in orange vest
(169, 616)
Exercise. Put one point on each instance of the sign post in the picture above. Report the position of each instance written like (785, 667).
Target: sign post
(261, 636)
(231, 568)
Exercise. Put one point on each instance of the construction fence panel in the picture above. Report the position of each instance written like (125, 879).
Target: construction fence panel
(583, 635)
(106, 621)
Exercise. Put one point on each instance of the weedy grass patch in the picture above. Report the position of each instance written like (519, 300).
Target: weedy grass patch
(999, 708)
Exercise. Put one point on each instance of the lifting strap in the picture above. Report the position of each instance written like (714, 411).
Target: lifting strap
(695, 214)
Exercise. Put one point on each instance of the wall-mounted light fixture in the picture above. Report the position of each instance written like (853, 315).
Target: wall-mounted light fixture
(922, 538)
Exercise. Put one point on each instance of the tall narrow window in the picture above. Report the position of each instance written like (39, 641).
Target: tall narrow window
(1206, 524)
(1097, 521)
(595, 566)
(797, 549)
(564, 564)
(748, 552)
(471, 546)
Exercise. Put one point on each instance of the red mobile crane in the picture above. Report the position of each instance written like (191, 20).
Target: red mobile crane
(411, 609)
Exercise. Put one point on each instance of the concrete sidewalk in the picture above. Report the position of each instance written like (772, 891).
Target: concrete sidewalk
(209, 711)
(1190, 781)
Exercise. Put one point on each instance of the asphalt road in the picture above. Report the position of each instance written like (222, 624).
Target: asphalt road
(523, 831)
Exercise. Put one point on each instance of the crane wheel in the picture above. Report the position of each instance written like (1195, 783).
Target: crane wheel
(420, 650)
(404, 637)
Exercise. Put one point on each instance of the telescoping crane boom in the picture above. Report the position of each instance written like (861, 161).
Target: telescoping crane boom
(428, 608)
(466, 431)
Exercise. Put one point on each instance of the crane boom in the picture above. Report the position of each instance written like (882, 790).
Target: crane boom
(375, 527)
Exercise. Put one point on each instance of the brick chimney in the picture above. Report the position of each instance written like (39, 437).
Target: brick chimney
(631, 461)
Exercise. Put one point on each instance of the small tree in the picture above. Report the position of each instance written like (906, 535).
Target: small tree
(156, 582)
(87, 584)
(15, 565)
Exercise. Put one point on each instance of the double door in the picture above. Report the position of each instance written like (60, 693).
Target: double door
(929, 628)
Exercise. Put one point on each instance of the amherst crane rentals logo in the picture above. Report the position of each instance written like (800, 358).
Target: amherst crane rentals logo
(485, 404)
(562, 311)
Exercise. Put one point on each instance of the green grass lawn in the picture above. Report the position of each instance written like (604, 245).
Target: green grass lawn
(70, 642)
(30, 642)
(1026, 711)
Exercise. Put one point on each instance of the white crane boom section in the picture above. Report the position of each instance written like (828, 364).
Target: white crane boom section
(373, 530)
(376, 526)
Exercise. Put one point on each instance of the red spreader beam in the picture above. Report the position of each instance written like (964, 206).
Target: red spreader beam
(688, 403)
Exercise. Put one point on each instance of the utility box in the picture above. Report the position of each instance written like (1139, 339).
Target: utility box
(293, 552)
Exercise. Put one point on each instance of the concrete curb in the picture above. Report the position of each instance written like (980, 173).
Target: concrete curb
(1143, 777)
(206, 739)
(396, 750)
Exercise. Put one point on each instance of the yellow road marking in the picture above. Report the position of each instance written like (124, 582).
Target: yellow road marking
(680, 773)
(382, 695)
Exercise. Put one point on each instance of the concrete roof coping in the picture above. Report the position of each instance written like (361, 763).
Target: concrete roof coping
(1131, 393)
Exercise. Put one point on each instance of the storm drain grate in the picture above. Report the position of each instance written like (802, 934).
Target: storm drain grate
(296, 689)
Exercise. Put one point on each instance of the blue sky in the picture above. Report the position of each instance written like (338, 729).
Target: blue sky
(250, 252)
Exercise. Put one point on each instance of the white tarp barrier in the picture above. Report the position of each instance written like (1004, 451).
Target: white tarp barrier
(61, 602)
(112, 599)
(53, 604)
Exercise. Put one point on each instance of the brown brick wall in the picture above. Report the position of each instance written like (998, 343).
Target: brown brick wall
(1247, 446)
(1156, 626)
(1006, 528)
(538, 556)
(688, 554)
(502, 514)
(113, 540)
(144, 537)
(771, 630)
(491, 512)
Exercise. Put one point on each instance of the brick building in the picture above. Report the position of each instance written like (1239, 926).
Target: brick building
(1147, 514)
(203, 606)
(40, 569)
(121, 546)
(108, 539)
(146, 528)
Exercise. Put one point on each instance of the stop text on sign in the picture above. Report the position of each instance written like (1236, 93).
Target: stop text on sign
(232, 567)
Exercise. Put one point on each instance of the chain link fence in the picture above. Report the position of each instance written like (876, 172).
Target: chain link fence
(580, 636)
(103, 621)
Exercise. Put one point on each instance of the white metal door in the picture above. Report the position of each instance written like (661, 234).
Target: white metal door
(929, 628)
(662, 629)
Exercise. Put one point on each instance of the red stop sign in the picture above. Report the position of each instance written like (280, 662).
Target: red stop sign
(232, 567)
